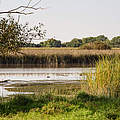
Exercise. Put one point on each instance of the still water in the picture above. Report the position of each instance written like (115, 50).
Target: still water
(12, 76)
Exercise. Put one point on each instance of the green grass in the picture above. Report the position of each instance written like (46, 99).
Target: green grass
(48, 107)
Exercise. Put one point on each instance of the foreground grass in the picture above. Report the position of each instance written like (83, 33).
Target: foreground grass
(49, 107)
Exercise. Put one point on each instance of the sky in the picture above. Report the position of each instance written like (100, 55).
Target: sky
(68, 19)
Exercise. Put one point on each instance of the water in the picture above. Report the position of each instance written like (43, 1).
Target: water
(5, 93)
(12, 76)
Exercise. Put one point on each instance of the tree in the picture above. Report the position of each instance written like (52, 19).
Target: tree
(13, 35)
(66, 44)
(115, 42)
(101, 38)
(51, 43)
(23, 9)
(42, 44)
(75, 42)
(88, 39)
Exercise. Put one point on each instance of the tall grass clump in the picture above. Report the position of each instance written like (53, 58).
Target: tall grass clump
(106, 80)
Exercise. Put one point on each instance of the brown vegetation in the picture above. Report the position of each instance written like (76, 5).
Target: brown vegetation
(67, 51)
(97, 45)
(56, 57)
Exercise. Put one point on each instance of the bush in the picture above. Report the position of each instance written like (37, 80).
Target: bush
(96, 45)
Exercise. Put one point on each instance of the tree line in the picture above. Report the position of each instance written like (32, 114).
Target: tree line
(76, 42)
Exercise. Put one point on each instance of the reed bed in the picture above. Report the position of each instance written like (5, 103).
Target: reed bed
(56, 56)
(51, 60)
(106, 80)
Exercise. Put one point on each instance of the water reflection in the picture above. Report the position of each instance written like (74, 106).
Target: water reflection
(32, 74)
(44, 66)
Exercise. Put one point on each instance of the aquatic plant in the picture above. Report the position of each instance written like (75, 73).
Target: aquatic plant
(106, 80)
(55, 57)
(51, 60)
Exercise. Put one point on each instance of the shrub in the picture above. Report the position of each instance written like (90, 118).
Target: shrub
(96, 45)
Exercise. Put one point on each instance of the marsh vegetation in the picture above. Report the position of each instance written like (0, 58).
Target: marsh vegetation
(97, 97)
(56, 57)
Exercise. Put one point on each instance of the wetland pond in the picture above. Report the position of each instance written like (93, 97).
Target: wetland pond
(37, 80)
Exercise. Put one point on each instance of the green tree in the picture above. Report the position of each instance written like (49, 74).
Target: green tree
(115, 42)
(75, 42)
(51, 43)
(101, 38)
(66, 44)
(42, 44)
(88, 40)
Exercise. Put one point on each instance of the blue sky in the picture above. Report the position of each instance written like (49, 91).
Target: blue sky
(68, 19)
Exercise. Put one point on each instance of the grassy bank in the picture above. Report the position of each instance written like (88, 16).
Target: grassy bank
(49, 107)
(56, 57)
